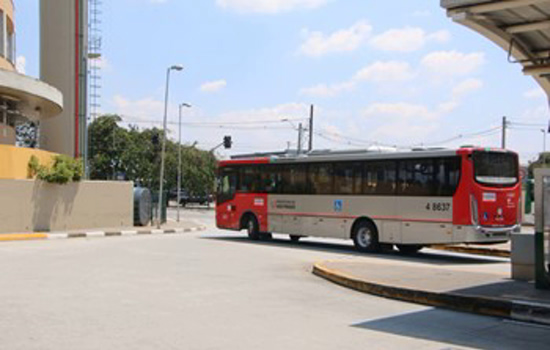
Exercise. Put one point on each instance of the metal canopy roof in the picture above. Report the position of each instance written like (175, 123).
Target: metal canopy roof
(520, 27)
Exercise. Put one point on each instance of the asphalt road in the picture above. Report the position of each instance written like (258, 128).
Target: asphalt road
(217, 290)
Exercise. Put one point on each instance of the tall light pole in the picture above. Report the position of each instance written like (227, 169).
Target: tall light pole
(179, 157)
(163, 154)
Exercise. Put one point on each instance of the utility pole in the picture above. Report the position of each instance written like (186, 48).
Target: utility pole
(504, 126)
(311, 112)
(300, 131)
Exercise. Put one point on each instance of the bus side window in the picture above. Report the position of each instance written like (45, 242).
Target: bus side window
(380, 178)
(320, 178)
(344, 178)
(250, 179)
(417, 177)
(448, 176)
(297, 180)
(227, 185)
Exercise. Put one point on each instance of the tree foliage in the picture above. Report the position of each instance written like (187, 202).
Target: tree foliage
(63, 170)
(135, 155)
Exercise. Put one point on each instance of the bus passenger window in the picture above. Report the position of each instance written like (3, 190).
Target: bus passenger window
(344, 178)
(380, 178)
(417, 177)
(320, 178)
(249, 180)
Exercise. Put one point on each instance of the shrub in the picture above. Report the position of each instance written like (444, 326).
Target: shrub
(63, 170)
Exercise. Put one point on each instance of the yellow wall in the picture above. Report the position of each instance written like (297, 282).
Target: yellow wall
(14, 161)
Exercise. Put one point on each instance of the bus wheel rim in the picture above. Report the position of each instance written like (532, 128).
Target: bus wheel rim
(364, 237)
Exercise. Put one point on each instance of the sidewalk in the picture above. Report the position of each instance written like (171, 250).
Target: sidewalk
(168, 228)
(479, 287)
(499, 250)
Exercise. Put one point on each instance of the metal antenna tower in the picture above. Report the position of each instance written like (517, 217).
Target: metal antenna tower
(95, 57)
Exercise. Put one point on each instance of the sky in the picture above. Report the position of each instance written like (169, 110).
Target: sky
(379, 73)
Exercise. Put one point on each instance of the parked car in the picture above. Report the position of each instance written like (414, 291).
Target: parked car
(191, 198)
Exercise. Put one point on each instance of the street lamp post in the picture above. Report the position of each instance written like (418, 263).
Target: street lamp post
(543, 140)
(179, 157)
(163, 154)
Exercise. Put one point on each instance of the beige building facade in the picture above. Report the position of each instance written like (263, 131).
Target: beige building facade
(63, 64)
(22, 98)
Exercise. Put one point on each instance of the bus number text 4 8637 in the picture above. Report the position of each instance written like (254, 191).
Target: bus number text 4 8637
(438, 206)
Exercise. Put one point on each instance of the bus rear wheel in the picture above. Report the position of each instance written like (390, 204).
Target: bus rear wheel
(409, 249)
(252, 228)
(365, 237)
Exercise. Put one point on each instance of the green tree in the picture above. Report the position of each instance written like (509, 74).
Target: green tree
(137, 153)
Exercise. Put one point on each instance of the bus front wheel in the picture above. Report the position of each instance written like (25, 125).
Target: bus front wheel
(252, 228)
(365, 237)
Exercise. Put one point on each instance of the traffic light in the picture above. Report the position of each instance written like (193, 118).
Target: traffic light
(155, 139)
(227, 142)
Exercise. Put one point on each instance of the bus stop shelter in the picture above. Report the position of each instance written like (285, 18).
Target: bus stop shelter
(522, 29)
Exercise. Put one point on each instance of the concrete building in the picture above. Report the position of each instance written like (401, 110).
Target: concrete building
(63, 64)
(27, 205)
(22, 98)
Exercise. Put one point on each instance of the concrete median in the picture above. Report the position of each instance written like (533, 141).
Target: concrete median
(529, 310)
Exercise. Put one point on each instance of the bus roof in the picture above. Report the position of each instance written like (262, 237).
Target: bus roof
(349, 155)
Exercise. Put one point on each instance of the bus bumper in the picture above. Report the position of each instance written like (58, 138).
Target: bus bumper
(483, 234)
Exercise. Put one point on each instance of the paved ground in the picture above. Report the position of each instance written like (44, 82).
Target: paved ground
(217, 290)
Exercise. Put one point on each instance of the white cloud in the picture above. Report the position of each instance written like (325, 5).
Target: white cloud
(378, 72)
(21, 64)
(345, 40)
(452, 63)
(385, 72)
(324, 90)
(536, 93)
(282, 111)
(412, 121)
(407, 39)
(467, 86)
(400, 110)
(146, 109)
(269, 6)
(401, 120)
(213, 86)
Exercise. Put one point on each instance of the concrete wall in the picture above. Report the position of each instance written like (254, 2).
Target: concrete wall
(27, 206)
(14, 161)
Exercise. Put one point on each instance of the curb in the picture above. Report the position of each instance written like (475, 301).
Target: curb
(495, 307)
(95, 234)
(500, 253)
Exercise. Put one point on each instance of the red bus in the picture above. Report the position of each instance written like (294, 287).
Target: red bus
(409, 199)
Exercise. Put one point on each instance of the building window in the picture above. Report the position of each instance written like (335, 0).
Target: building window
(10, 44)
(2, 34)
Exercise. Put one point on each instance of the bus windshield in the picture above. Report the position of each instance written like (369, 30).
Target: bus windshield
(227, 184)
(496, 168)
